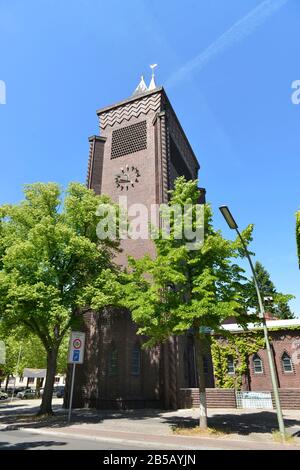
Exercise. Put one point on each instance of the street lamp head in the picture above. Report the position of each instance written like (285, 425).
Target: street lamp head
(228, 217)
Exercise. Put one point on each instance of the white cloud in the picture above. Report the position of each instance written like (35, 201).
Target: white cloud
(241, 29)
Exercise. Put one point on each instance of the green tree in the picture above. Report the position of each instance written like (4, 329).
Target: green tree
(52, 265)
(32, 353)
(31, 350)
(278, 306)
(185, 290)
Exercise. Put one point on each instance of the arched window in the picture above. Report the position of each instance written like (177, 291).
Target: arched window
(287, 364)
(113, 361)
(136, 360)
(230, 365)
(257, 364)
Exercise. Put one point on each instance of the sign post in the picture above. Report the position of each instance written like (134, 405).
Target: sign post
(76, 353)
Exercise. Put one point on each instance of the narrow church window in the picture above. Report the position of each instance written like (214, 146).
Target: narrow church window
(113, 362)
(178, 161)
(230, 365)
(136, 360)
(205, 365)
(287, 364)
(257, 364)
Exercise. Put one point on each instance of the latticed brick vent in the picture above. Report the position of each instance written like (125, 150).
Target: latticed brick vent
(129, 139)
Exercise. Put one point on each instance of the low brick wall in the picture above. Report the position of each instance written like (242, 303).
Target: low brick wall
(215, 398)
(225, 398)
(289, 398)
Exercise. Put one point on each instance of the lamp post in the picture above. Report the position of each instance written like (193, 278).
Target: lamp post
(233, 225)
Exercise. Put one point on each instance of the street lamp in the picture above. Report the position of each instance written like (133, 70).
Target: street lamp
(233, 225)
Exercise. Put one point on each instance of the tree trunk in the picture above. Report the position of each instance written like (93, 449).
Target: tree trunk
(199, 347)
(46, 405)
(6, 383)
(38, 387)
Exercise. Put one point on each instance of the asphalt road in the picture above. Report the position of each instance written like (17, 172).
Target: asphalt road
(25, 440)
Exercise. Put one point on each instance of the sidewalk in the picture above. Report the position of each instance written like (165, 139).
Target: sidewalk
(240, 429)
(173, 442)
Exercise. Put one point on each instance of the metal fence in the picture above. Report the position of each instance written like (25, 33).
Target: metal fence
(254, 400)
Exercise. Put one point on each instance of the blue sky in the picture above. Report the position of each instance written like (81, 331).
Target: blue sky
(227, 68)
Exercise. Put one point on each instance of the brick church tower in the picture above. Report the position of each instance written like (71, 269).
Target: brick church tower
(141, 149)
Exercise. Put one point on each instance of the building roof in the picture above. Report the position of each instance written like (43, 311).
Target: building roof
(36, 373)
(129, 100)
(234, 327)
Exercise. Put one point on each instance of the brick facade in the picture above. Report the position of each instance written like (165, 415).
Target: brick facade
(160, 157)
(282, 342)
(144, 132)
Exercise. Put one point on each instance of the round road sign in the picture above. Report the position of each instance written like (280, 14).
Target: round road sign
(77, 343)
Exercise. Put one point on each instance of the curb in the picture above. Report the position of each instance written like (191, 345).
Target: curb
(143, 444)
(195, 443)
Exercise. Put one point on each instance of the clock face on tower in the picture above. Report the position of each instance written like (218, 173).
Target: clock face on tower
(127, 178)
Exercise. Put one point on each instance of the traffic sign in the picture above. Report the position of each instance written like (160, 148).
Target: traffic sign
(76, 352)
(76, 355)
(77, 343)
(76, 348)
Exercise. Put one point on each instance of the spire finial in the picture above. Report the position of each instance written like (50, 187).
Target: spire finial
(152, 85)
(141, 88)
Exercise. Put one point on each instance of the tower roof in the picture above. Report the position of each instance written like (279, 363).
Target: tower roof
(152, 85)
(130, 99)
(141, 88)
(122, 109)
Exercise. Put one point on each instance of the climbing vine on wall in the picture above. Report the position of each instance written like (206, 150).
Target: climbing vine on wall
(238, 347)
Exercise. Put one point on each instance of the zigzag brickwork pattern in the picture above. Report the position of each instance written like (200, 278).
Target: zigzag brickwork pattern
(134, 109)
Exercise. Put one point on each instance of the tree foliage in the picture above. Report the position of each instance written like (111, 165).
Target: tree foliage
(52, 265)
(185, 290)
(278, 306)
(31, 350)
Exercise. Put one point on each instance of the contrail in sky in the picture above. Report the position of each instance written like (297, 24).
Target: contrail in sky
(241, 29)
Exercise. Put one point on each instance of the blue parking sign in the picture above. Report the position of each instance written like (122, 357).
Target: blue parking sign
(76, 355)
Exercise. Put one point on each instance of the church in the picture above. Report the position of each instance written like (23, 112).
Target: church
(140, 151)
